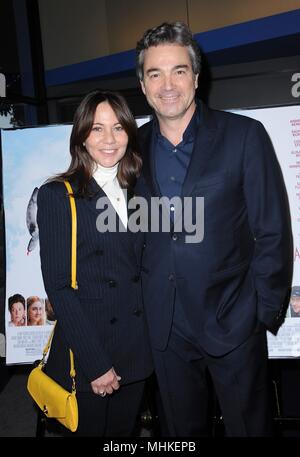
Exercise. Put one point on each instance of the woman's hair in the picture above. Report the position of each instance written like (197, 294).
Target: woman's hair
(17, 298)
(30, 301)
(82, 165)
(168, 33)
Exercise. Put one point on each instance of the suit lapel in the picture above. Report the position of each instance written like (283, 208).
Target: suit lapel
(202, 150)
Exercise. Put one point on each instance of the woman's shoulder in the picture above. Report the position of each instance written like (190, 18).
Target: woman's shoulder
(52, 187)
(52, 190)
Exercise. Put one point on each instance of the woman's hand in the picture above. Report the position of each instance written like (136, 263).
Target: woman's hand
(106, 383)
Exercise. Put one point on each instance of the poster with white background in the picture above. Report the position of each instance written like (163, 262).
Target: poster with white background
(30, 156)
(283, 127)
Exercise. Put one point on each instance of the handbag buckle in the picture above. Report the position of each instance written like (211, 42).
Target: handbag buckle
(45, 410)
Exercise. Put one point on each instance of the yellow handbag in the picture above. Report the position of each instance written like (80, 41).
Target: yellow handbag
(55, 401)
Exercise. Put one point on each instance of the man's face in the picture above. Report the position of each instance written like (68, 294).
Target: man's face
(295, 303)
(169, 83)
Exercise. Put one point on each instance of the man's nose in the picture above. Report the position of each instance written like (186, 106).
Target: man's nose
(168, 82)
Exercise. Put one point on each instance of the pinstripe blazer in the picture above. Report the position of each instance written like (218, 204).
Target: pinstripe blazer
(103, 321)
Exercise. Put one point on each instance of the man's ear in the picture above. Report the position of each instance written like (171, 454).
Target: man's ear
(143, 87)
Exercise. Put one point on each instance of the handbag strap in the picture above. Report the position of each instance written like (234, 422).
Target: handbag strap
(73, 280)
(73, 264)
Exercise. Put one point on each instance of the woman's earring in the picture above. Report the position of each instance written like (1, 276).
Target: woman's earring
(83, 144)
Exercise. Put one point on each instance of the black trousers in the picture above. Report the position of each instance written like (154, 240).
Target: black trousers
(114, 415)
(240, 380)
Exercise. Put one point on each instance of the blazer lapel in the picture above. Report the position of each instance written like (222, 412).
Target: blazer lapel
(202, 150)
(200, 155)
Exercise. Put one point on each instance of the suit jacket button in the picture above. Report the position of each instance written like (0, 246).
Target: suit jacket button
(112, 283)
(113, 320)
(137, 312)
(99, 252)
(135, 279)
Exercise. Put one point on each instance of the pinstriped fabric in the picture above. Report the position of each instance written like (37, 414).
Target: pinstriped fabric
(102, 322)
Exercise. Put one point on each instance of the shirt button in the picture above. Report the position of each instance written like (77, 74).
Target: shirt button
(174, 150)
(172, 178)
(172, 208)
(171, 278)
(174, 237)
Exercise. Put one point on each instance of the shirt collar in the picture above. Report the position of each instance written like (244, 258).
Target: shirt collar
(104, 175)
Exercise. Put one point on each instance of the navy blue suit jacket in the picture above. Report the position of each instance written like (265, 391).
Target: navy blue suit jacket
(103, 321)
(238, 278)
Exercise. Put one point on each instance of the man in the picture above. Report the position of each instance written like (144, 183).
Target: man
(295, 302)
(209, 302)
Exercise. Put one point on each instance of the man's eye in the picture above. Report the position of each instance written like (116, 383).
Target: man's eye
(154, 75)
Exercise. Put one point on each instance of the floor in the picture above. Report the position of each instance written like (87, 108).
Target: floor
(18, 415)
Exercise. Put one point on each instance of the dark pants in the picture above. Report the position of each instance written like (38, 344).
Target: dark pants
(113, 415)
(240, 380)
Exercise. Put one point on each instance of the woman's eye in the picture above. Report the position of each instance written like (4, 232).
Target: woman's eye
(119, 128)
(96, 129)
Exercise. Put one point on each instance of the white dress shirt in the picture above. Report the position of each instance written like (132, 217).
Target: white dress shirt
(107, 179)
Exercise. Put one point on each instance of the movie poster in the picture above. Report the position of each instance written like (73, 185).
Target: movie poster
(283, 127)
(30, 156)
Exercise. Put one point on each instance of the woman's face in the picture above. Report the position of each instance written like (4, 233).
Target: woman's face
(35, 313)
(107, 141)
(18, 313)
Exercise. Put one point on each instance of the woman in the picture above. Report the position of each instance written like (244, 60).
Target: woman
(102, 322)
(35, 311)
(16, 306)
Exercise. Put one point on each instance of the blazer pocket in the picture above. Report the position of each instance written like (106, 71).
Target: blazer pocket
(231, 271)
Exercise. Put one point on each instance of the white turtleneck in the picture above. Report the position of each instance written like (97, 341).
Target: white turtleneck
(107, 179)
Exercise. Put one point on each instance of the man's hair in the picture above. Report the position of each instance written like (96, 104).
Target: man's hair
(166, 33)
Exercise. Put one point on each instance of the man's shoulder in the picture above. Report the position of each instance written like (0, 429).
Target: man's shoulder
(233, 119)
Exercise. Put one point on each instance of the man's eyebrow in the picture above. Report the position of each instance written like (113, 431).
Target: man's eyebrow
(177, 67)
(150, 70)
(180, 66)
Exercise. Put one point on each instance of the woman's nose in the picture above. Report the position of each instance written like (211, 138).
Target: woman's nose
(109, 137)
